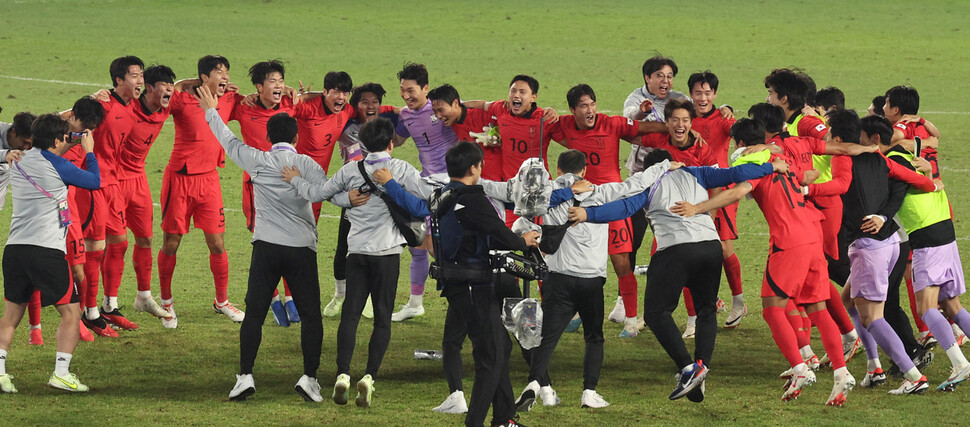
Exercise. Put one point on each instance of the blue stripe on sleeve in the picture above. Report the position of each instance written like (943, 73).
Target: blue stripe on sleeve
(711, 177)
(72, 175)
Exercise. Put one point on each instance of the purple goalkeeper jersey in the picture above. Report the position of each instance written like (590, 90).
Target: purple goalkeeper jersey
(431, 137)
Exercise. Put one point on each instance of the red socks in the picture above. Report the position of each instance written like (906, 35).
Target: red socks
(286, 289)
(831, 339)
(142, 260)
(732, 269)
(689, 303)
(794, 316)
(837, 311)
(920, 324)
(166, 268)
(783, 334)
(113, 267)
(33, 309)
(92, 273)
(628, 291)
(219, 264)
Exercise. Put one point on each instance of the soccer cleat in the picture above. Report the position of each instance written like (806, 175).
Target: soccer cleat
(99, 326)
(245, 387)
(641, 324)
(849, 349)
(689, 331)
(279, 313)
(911, 387)
(959, 335)
(454, 404)
(873, 378)
(514, 422)
(958, 375)
(171, 322)
(687, 381)
(923, 359)
(574, 324)
(233, 313)
(365, 390)
(148, 305)
(843, 385)
(528, 397)
(720, 306)
(36, 337)
(309, 389)
(86, 334)
(549, 396)
(629, 328)
(6, 384)
(333, 307)
(926, 340)
(291, 314)
(697, 394)
(592, 399)
(800, 378)
(813, 362)
(68, 382)
(407, 312)
(115, 318)
(340, 387)
(368, 311)
(619, 312)
(735, 316)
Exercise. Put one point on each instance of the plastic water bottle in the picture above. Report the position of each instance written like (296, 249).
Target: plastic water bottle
(641, 270)
(427, 354)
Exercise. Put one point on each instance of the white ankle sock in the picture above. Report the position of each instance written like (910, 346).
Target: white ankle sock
(956, 355)
(275, 299)
(841, 371)
(287, 298)
(873, 364)
(913, 374)
(3, 362)
(166, 302)
(737, 300)
(110, 304)
(37, 326)
(851, 336)
(92, 313)
(62, 364)
(339, 288)
(691, 320)
(145, 294)
(416, 300)
(806, 352)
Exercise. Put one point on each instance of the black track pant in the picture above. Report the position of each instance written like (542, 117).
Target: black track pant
(375, 276)
(894, 314)
(340, 256)
(696, 266)
(639, 224)
(562, 297)
(299, 267)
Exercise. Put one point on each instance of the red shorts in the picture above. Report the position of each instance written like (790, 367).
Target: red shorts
(192, 197)
(248, 205)
(726, 222)
(800, 273)
(136, 200)
(831, 223)
(75, 244)
(92, 210)
(621, 239)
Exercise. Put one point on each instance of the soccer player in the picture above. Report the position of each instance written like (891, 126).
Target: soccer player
(432, 139)
(33, 258)
(374, 252)
(191, 189)
(464, 121)
(826, 100)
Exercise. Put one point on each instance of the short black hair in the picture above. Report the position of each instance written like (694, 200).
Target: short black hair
(792, 83)
(461, 157)
(651, 65)
(46, 128)
(656, 156)
(158, 73)
(339, 80)
(677, 104)
(878, 125)
(119, 67)
(572, 161)
(89, 112)
(531, 81)
(416, 72)
(445, 93)
(576, 92)
(281, 128)
(376, 134)
(844, 124)
(705, 76)
(906, 98)
(259, 70)
(22, 122)
(368, 87)
(211, 62)
(747, 132)
(770, 115)
(830, 97)
(877, 103)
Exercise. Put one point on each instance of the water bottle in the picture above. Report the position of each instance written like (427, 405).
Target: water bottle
(427, 354)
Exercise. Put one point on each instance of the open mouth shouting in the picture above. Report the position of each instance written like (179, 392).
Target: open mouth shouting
(277, 95)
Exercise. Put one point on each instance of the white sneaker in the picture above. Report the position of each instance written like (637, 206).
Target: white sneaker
(171, 322)
(407, 312)
(735, 315)
(549, 396)
(592, 399)
(368, 309)
(843, 385)
(340, 387)
(309, 389)
(911, 387)
(6, 384)
(233, 313)
(801, 377)
(630, 329)
(148, 305)
(528, 397)
(618, 313)
(873, 378)
(245, 387)
(333, 307)
(689, 331)
(68, 382)
(454, 404)
(365, 390)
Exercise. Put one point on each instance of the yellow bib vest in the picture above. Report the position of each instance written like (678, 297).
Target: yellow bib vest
(920, 210)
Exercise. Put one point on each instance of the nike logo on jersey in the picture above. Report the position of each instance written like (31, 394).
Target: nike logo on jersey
(254, 118)
(118, 117)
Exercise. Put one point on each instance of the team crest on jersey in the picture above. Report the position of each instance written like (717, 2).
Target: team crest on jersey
(434, 119)
(600, 142)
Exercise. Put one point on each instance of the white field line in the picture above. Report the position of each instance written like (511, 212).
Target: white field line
(31, 79)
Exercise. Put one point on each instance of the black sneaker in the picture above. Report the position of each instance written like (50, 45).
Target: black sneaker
(689, 380)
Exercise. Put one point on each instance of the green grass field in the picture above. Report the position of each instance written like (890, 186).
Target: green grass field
(183, 376)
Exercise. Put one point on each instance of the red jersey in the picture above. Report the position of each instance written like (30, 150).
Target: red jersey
(252, 120)
(600, 144)
(790, 222)
(799, 151)
(476, 120)
(521, 137)
(134, 151)
(693, 155)
(716, 130)
(319, 128)
(110, 135)
(196, 150)
(808, 126)
(911, 130)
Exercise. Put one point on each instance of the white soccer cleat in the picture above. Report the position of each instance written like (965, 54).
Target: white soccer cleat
(641, 324)
(843, 385)
(850, 348)
(549, 396)
(148, 305)
(528, 397)
(735, 315)
(720, 306)
(233, 313)
(926, 340)
(801, 377)
(592, 399)
(340, 388)
(68, 382)
(333, 307)
(630, 329)
(407, 312)
(6, 384)
(309, 389)
(454, 404)
(813, 362)
(618, 313)
(873, 378)
(245, 387)
(365, 390)
(911, 387)
(959, 335)
(689, 331)
(958, 375)
(171, 322)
